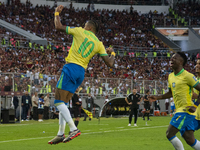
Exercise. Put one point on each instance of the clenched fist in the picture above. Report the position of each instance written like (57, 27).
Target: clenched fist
(109, 50)
(59, 8)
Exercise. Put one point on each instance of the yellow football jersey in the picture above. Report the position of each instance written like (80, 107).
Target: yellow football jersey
(181, 86)
(84, 46)
(197, 113)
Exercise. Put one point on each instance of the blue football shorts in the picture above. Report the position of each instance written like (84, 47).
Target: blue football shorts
(71, 77)
(194, 125)
(181, 120)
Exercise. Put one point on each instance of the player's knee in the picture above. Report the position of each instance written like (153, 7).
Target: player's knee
(189, 139)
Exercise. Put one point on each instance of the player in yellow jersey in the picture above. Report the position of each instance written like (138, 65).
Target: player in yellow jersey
(85, 45)
(180, 84)
(188, 131)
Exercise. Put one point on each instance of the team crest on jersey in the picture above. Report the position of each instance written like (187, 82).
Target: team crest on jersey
(173, 84)
(136, 95)
(195, 79)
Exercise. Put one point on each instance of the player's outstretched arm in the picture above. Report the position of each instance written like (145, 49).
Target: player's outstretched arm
(109, 60)
(57, 22)
(161, 97)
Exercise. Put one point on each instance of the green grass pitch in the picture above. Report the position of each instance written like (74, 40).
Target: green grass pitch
(111, 134)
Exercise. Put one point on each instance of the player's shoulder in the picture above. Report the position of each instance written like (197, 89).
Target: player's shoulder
(187, 74)
(138, 94)
(171, 74)
(130, 94)
(91, 35)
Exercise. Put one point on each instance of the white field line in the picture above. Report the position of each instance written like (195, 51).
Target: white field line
(85, 130)
(98, 124)
(86, 133)
(5, 125)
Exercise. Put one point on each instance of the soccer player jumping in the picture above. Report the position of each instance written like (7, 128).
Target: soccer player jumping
(180, 87)
(85, 45)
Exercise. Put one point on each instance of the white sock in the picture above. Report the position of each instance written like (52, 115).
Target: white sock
(67, 116)
(196, 145)
(62, 124)
(177, 143)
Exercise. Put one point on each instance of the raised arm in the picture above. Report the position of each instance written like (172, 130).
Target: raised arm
(57, 22)
(109, 61)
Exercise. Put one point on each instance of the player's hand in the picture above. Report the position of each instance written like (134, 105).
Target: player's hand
(130, 103)
(109, 50)
(152, 98)
(138, 103)
(191, 109)
(59, 8)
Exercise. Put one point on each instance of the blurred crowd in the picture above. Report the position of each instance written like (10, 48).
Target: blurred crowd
(184, 13)
(41, 72)
(38, 69)
(116, 27)
(189, 9)
(125, 2)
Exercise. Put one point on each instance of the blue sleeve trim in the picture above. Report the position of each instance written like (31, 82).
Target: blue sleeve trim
(58, 101)
(196, 84)
(172, 138)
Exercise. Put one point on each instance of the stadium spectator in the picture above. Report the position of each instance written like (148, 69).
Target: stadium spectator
(26, 105)
(35, 106)
(40, 107)
(46, 106)
(15, 103)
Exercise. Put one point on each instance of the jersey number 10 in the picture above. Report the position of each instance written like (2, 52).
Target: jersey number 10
(84, 46)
